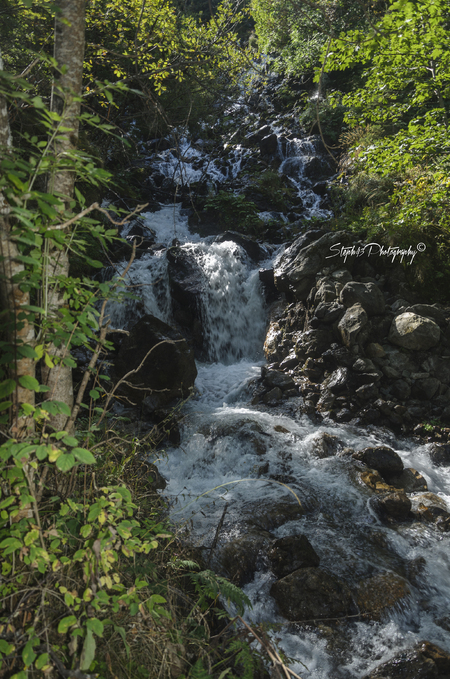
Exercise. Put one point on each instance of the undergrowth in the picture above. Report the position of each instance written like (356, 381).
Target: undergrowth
(96, 580)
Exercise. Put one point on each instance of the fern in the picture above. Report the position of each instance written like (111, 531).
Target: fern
(197, 671)
(245, 657)
(209, 585)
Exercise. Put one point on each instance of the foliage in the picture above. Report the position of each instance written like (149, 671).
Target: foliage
(295, 31)
(235, 211)
(397, 160)
(272, 187)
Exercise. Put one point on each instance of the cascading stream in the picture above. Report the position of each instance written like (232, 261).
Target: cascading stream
(252, 458)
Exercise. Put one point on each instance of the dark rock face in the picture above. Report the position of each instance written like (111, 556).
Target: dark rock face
(299, 264)
(354, 326)
(312, 594)
(383, 459)
(392, 506)
(268, 145)
(187, 283)
(424, 661)
(440, 454)
(168, 371)
(288, 554)
(368, 295)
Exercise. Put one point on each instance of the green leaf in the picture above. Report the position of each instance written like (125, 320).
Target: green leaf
(7, 387)
(28, 655)
(28, 382)
(70, 441)
(10, 545)
(41, 661)
(5, 405)
(65, 623)
(83, 455)
(88, 652)
(86, 531)
(41, 452)
(96, 626)
(56, 407)
(94, 394)
(65, 462)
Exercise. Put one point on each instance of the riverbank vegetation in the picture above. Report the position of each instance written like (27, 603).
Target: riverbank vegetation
(381, 73)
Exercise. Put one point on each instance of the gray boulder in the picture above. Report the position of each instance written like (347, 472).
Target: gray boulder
(368, 295)
(312, 594)
(354, 326)
(411, 331)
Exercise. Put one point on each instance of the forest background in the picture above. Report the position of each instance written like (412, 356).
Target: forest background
(93, 579)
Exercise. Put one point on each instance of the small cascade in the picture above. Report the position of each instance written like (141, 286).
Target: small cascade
(233, 312)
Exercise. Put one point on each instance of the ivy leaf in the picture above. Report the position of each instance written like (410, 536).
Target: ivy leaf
(7, 387)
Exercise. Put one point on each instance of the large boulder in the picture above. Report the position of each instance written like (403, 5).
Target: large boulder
(411, 331)
(383, 459)
(298, 266)
(312, 594)
(238, 558)
(290, 553)
(168, 368)
(368, 295)
(354, 326)
(187, 282)
(381, 593)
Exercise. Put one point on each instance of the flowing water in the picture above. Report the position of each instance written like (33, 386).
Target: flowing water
(251, 458)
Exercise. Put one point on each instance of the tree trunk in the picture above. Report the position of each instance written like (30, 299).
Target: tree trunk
(18, 331)
(66, 93)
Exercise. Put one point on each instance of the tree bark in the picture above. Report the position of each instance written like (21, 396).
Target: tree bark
(66, 94)
(17, 328)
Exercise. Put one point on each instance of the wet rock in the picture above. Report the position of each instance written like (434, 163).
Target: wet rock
(275, 515)
(187, 283)
(368, 295)
(410, 480)
(411, 331)
(337, 382)
(273, 396)
(375, 481)
(325, 445)
(408, 664)
(290, 553)
(168, 371)
(376, 595)
(354, 326)
(273, 341)
(238, 558)
(429, 500)
(430, 508)
(274, 378)
(314, 342)
(268, 284)
(269, 145)
(383, 459)
(363, 365)
(440, 454)
(289, 362)
(312, 594)
(313, 370)
(396, 506)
